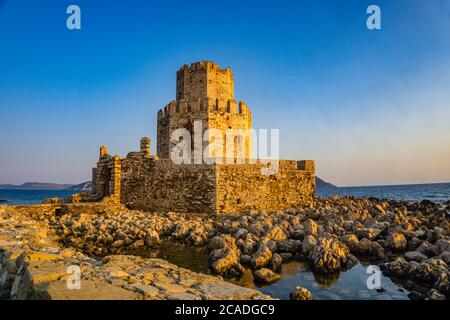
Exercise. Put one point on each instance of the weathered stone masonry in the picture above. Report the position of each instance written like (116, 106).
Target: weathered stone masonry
(204, 93)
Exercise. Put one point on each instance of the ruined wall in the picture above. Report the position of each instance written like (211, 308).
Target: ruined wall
(107, 175)
(160, 185)
(242, 187)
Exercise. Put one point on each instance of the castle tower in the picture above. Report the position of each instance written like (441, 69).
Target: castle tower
(205, 94)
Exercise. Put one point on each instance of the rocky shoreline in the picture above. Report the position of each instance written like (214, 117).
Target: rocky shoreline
(34, 265)
(407, 240)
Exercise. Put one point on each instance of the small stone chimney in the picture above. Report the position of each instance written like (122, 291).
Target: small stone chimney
(145, 147)
(103, 151)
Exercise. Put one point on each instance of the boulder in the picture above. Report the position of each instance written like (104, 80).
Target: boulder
(380, 209)
(276, 233)
(228, 264)
(117, 244)
(329, 256)
(442, 245)
(368, 233)
(136, 244)
(262, 257)
(445, 256)
(276, 262)
(241, 233)
(398, 268)
(289, 245)
(308, 244)
(218, 242)
(152, 238)
(351, 241)
(413, 244)
(428, 249)
(433, 294)
(286, 256)
(246, 260)
(310, 227)
(300, 293)
(265, 275)
(224, 257)
(297, 233)
(249, 245)
(269, 243)
(396, 241)
(430, 273)
(415, 256)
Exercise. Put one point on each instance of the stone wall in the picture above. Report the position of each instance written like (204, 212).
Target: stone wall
(242, 187)
(144, 182)
(107, 175)
(160, 185)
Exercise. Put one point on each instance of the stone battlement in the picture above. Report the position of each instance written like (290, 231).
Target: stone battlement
(203, 105)
(204, 80)
(203, 65)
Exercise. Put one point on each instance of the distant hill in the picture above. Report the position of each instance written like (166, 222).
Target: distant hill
(85, 186)
(323, 183)
(36, 186)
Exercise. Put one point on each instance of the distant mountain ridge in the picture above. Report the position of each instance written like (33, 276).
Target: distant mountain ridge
(36, 186)
(323, 183)
(87, 186)
(47, 186)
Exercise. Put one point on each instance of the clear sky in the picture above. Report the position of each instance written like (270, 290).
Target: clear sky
(371, 107)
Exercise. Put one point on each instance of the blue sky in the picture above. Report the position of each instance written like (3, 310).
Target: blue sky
(371, 107)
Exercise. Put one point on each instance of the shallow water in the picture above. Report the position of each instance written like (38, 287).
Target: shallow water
(24, 197)
(349, 285)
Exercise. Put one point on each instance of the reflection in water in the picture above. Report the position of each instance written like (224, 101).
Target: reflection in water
(326, 281)
(346, 285)
(189, 257)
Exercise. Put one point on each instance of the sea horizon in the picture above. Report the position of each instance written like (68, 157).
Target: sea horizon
(437, 192)
(390, 185)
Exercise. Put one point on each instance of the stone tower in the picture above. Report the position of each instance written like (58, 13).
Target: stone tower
(204, 93)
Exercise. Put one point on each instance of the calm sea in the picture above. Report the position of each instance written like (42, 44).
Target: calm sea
(16, 197)
(418, 192)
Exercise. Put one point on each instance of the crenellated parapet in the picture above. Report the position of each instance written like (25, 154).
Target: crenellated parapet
(204, 79)
(185, 107)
